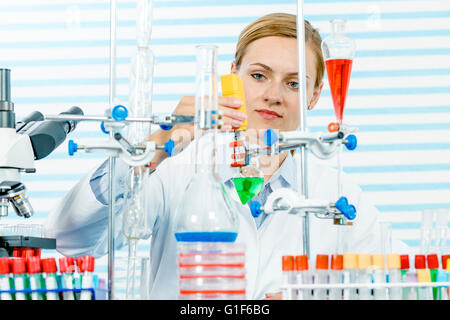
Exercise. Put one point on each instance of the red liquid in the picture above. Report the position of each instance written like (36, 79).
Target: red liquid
(339, 71)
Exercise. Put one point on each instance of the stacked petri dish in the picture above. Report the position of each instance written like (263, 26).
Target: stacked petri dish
(211, 271)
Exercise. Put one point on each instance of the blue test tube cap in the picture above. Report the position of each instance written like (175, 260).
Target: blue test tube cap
(255, 208)
(119, 113)
(73, 147)
(169, 146)
(102, 127)
(351, 142)
(165, 127)
(270, 137)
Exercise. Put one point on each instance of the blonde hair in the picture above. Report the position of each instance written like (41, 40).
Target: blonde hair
(280, 25)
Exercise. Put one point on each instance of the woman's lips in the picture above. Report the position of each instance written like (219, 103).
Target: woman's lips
(268, 114)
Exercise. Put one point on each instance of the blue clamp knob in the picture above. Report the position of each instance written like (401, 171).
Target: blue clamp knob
(255, 208)
(169, 146)
(73, 147)
(165, 127)
(348, 210)
(351, 142)
(270, 137)
(102, 127)
(119, 113)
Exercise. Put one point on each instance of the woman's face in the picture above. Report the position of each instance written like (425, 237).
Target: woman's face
(269, 72)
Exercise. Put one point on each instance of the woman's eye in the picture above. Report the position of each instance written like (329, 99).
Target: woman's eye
(258, 76)
(293, 84)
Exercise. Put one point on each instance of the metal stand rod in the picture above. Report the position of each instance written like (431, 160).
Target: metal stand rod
(112, 160)
(112, 164)
(303, 187)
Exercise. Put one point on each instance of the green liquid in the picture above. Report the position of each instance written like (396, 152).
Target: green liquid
(248, 187)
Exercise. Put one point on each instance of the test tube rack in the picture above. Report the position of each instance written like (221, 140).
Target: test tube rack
(290, 289)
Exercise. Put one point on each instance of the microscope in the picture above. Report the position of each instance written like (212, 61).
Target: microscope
(22, 143)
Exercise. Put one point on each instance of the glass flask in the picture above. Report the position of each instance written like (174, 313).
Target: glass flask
(338, 52)
(205, 212)
(250, 182)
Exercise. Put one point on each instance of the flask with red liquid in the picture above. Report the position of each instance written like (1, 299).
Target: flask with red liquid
(338, 51)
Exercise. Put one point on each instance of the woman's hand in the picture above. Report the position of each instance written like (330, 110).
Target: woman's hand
(183, 134)
(232, 118)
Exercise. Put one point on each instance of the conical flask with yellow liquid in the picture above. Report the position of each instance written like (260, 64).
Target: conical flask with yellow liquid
(251, 179)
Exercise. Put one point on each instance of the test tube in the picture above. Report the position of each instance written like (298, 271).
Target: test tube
(379, 276)
(423, 275)
(350, 275)
(49, 268)
(86, 265)
(19, 271)
(5, 278)
(321, 276)
(443, 276)
(426, 231)
(433, 266)
(424, 293)
(393, 264)
(364, 276)
(407, 275)
(67, 268)
(35, 277)
(336, 276)
(288, 276)
(303, 276)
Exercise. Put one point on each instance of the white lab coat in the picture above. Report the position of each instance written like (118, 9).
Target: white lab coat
(79, 224)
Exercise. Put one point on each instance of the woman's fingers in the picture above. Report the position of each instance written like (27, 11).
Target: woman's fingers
(232, 118)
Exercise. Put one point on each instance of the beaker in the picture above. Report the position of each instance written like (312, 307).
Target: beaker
(205, 212)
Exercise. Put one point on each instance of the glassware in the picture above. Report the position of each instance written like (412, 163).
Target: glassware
(205, 212)
(338, 51)
(132, 283)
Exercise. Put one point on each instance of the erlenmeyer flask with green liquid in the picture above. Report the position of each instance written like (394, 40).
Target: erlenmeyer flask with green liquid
(251, 181)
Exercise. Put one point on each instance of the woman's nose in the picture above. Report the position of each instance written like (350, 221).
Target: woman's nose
(272, 94)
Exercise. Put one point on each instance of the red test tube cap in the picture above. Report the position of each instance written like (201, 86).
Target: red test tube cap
(85, 263)
(337, 262)
(301, 262)
(27, 253)
(322, 261)
(5, 266)
(404, 262)
(18, 266)
(287, 263)
(49, 265)
(66, 265)
(432, 261)
(445, 258)
(34, 265)
(419, 261)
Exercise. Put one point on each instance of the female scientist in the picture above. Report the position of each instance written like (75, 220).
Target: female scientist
(266, 60)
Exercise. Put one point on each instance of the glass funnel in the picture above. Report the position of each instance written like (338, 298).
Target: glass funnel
(205, 212)
(338, 51)
(250, 181)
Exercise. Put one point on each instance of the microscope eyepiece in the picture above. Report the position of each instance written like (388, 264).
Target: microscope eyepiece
(47, 135)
